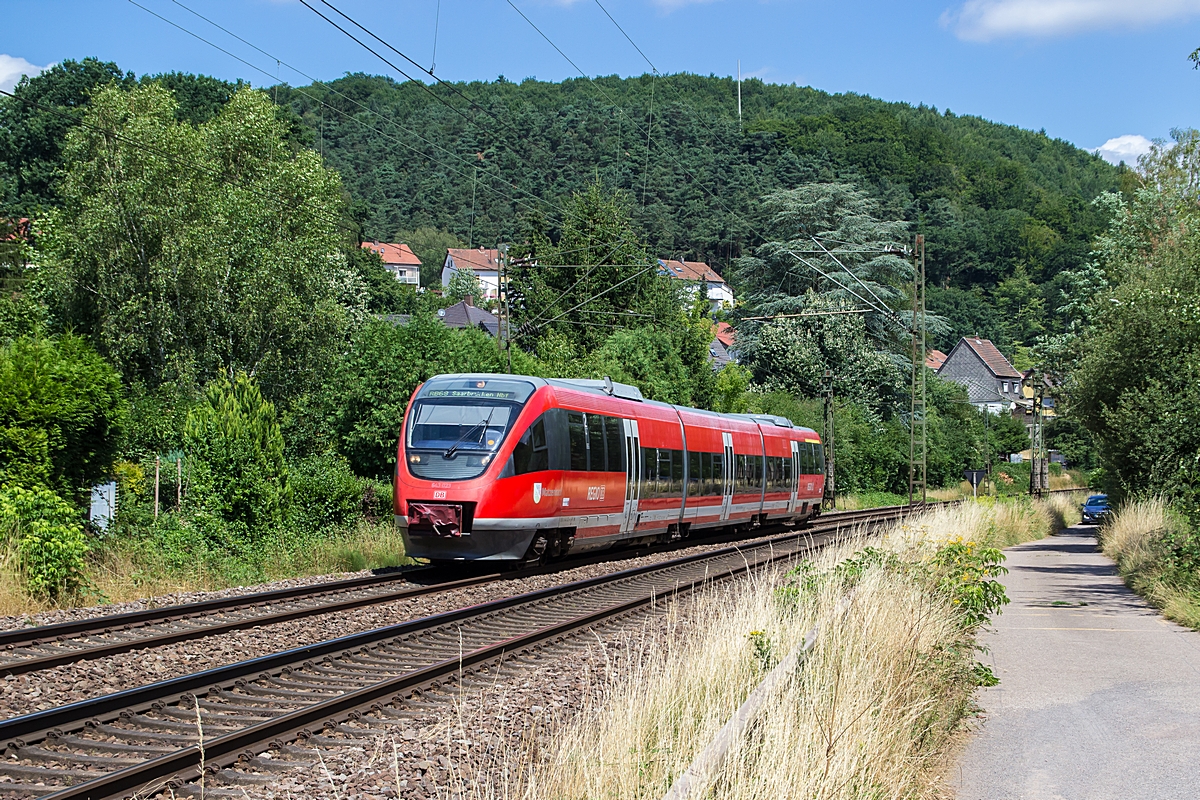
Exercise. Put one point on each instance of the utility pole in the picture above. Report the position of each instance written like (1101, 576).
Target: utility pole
(1039, 470)
(829, 499)
(503, 309)
(917, 439)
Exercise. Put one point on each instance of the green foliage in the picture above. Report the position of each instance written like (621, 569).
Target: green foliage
(48, 537)
(61, 411)
(325, 493)
(966, 573)
(465, 283)
(430, 246)
(234, 452)
(732, 382)
(33, 130)
(384, 294)
(360, 406)
(213, 252)
(1137, 384)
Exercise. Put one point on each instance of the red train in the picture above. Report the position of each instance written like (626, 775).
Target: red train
(513, 468)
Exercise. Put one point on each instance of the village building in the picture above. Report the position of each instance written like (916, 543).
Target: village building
(992, 383)
(484, 263)
(699, 276)
(398, 259)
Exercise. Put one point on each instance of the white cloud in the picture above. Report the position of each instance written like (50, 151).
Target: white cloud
(984, 20)
(12, 68)
(1125, 148)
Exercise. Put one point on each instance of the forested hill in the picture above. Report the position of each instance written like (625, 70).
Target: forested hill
(991, 198)
(1004, 210)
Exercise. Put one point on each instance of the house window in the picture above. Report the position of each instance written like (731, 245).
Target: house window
(1005, 389)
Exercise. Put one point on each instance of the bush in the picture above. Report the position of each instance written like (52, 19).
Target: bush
(48, 537)
(325, 493)
(234, 453)
(61, 410)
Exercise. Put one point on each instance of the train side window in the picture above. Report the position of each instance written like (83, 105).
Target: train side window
(649, 472)
(614, 433)
(531, 453)
(805, 458)
(664, 473)
(577, 434)
(820, 458)
(595, 435)
(756, 474)
(787, 474)
(706, 475)
(676, 473)
(739, 473)
(695, 478)
(718, 473)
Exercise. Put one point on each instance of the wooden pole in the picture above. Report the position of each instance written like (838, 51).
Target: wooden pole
(157, 469)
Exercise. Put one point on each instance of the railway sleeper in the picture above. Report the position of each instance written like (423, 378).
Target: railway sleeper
(81, 743)
(155, 724)
(35, 753)
(276, 765)
(277, 689)
(216, 716)
(265, 711)
(58, 777)
(130, 734)
(327, 677)
(346, 675)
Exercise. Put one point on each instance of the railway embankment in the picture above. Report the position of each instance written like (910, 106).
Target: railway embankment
(1097, 695)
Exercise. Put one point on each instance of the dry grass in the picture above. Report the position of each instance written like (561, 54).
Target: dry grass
(868, 715)
(1133, 539)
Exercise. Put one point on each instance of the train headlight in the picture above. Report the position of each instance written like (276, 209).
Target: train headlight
(483, 462)
(414, 459)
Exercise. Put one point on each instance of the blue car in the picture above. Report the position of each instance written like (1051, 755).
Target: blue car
(1096, 509)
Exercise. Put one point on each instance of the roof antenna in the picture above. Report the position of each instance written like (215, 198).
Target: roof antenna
(608, 385)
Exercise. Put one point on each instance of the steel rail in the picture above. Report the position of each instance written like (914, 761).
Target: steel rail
(408, 645)
(63, 634)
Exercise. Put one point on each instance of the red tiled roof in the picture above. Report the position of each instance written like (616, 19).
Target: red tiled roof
(19, 229)
(477, 259)
(400, 254)
(934, 359)
(991, 357)
(726, 334)
(690, 271)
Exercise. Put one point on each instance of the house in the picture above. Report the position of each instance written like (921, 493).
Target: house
(697, 274)
(934, 359)
(720, 350)
(467, 315)
(993, 384)
(484, 263)
(398, 259)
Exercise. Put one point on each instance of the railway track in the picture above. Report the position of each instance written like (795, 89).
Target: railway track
(25, 650)
(139, 740)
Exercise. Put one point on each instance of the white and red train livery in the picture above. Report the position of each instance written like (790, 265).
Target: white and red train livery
(514, 468)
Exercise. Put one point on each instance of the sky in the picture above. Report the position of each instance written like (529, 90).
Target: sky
(1103, 74)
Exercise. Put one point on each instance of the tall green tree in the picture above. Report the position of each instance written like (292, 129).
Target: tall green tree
(203, 250)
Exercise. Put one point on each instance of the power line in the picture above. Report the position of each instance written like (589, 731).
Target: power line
(810, 314)
(627, 37)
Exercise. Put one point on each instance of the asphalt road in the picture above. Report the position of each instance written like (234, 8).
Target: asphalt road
(1099, 696)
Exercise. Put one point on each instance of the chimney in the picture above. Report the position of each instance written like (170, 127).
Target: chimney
(469, 301)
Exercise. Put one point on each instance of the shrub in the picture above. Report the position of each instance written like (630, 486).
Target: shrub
(325, 493)
(235, 459)
(48, 537)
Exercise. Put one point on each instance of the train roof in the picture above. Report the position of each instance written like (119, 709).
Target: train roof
(610, 388)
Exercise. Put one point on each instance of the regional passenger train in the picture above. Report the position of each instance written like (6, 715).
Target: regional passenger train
(519, 469)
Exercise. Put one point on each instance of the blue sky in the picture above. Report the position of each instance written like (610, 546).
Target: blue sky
(1088, 71)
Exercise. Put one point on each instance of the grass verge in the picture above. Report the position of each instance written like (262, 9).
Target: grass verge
(168, 561)
(1158, 554)
(868, 715)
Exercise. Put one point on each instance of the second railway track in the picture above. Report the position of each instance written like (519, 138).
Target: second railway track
(25, 650)
(137, 740)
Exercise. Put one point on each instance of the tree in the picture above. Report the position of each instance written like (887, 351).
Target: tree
(61, 413)
(234, 451)
(430, 246)
(465, 283)
(199, 250)
(34, 126)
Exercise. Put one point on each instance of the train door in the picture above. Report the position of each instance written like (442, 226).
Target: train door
(633, 475)
(795, 477)
(727, 476)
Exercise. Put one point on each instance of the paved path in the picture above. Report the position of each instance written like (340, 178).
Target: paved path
(1099, 696)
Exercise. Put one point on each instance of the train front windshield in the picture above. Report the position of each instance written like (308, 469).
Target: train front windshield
(456, 426)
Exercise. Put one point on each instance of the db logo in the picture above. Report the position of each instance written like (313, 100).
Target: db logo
(439, 495)
(595, 493)
(537, 493)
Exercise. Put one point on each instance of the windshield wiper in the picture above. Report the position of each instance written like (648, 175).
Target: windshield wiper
(450, 451)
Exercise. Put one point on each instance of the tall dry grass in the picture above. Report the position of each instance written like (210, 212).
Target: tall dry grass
(868, 715)
(1136, 538)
